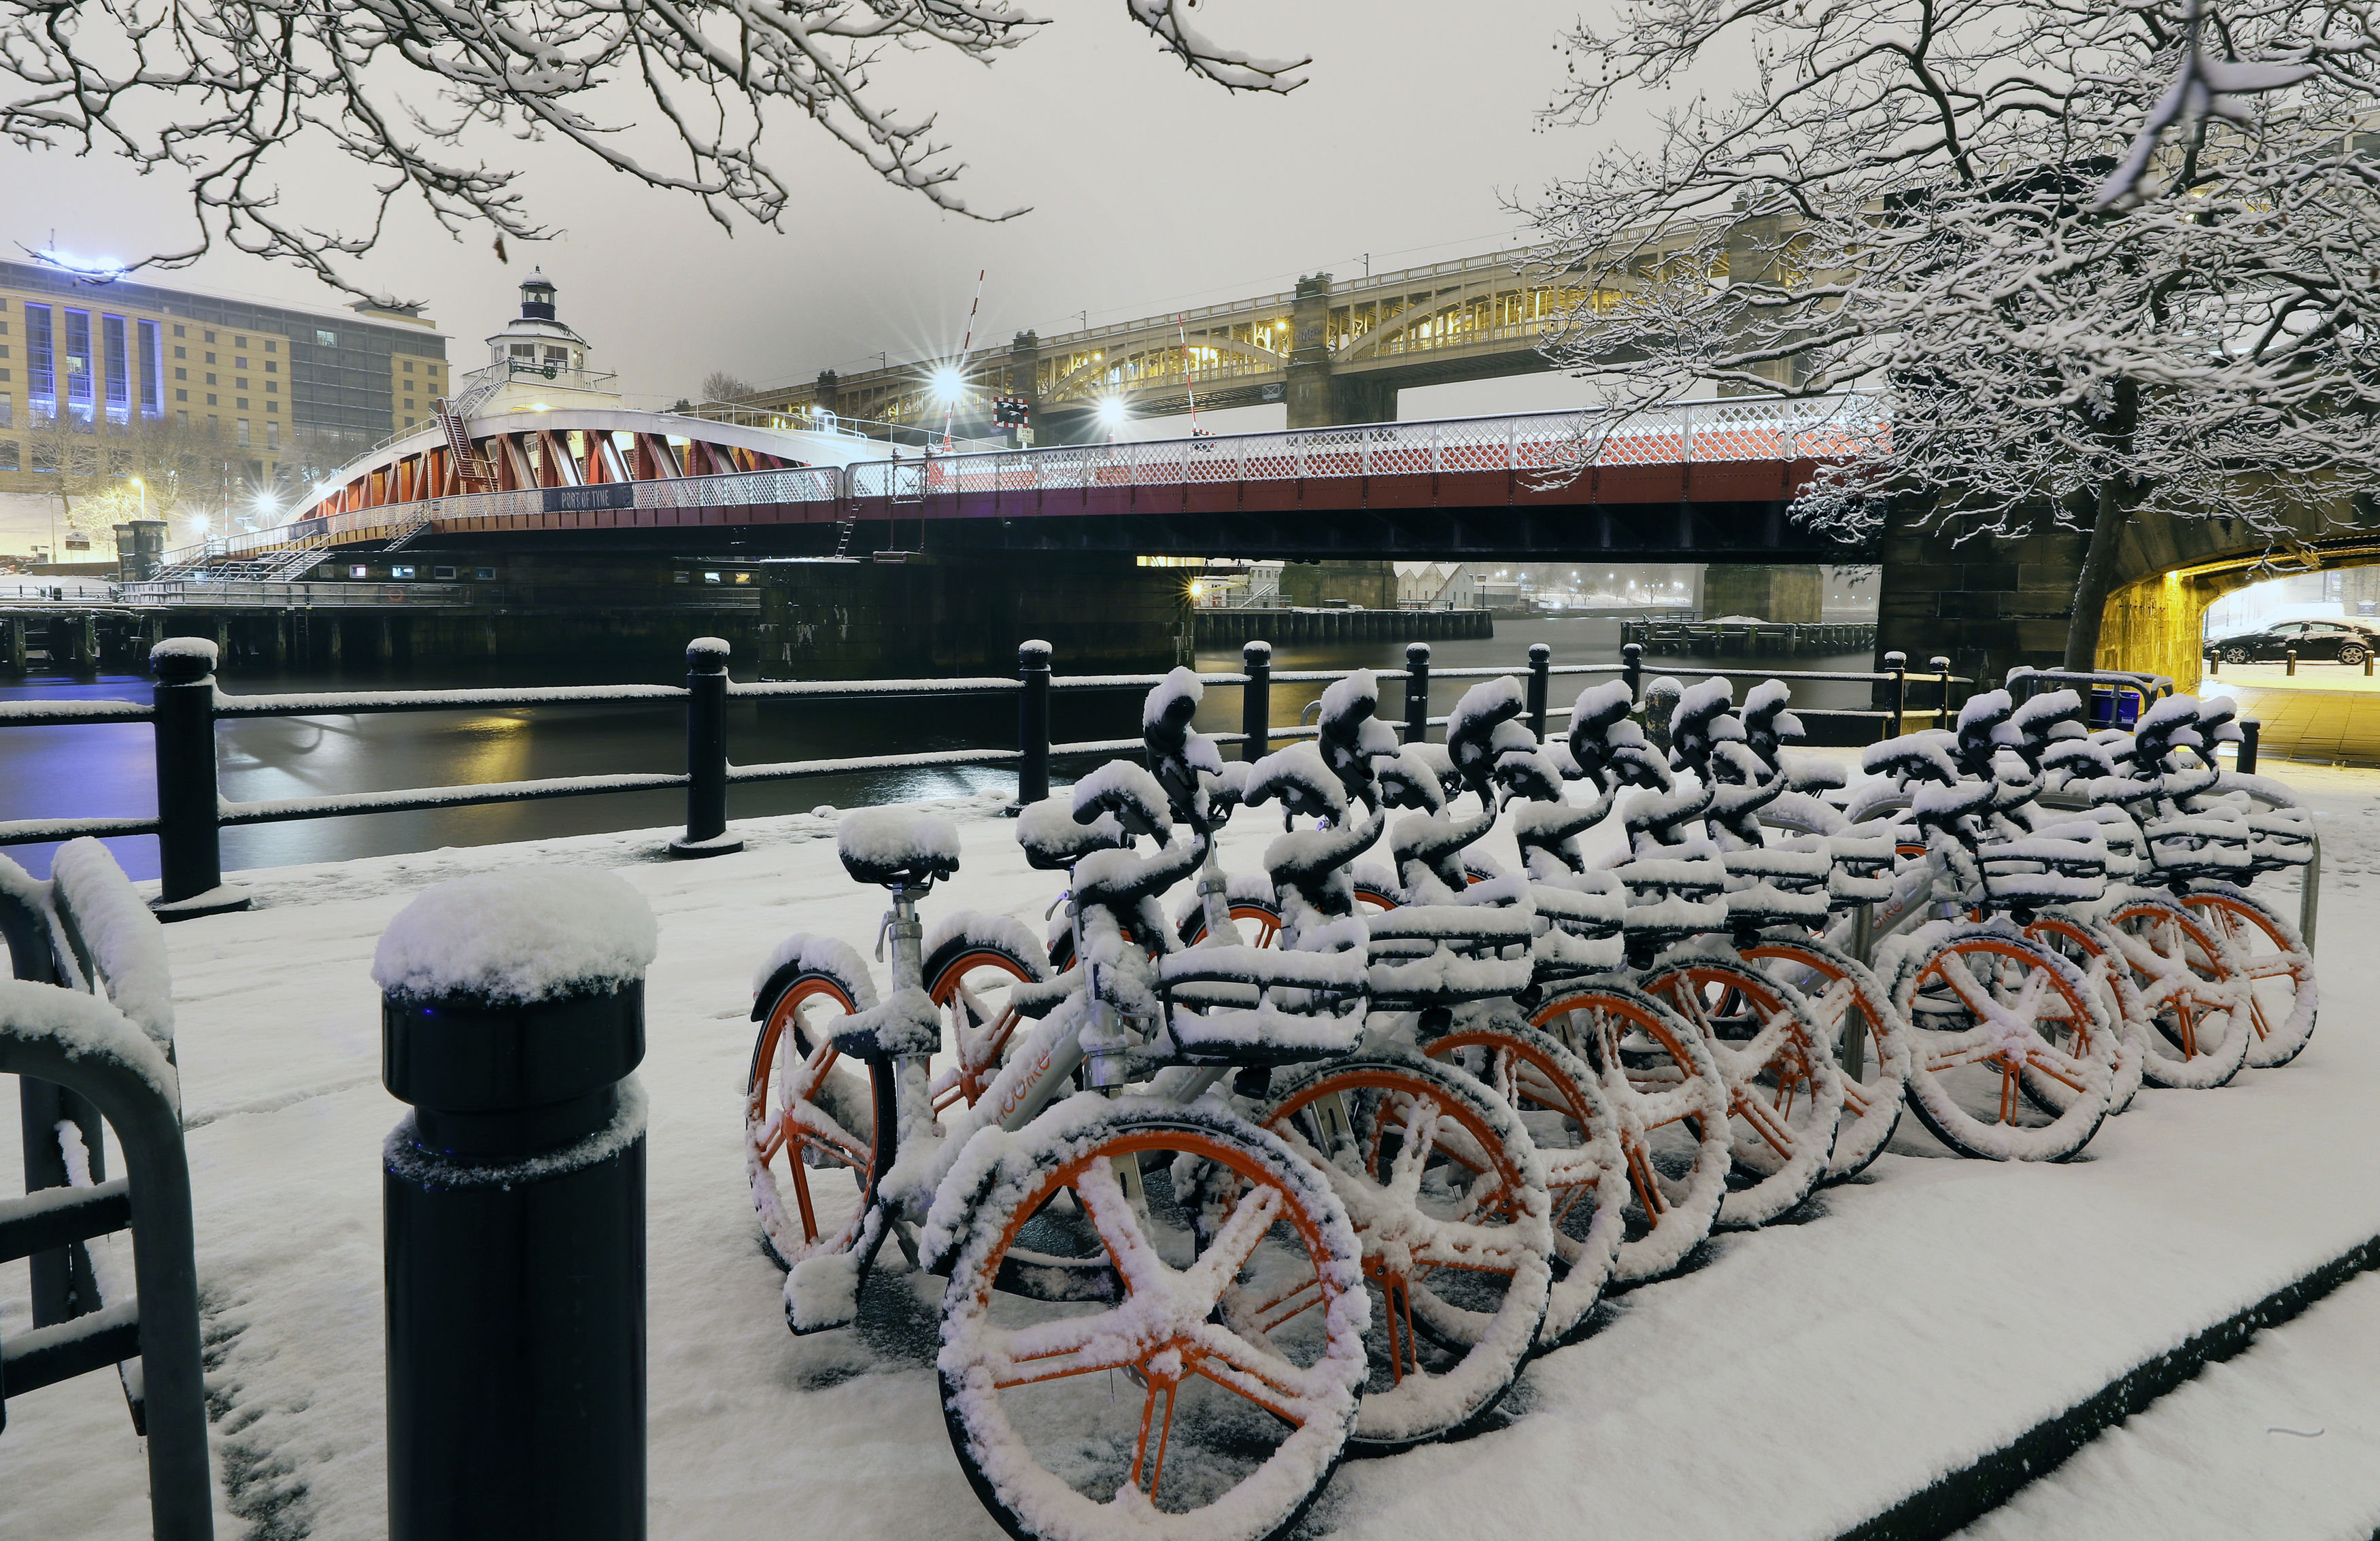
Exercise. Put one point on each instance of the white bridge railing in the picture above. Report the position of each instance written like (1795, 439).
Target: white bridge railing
(1551, 443)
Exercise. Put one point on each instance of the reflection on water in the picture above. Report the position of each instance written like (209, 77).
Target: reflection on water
(106, 770)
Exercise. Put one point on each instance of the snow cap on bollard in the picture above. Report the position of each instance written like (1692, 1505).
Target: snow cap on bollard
(1033, 654)
(518, 937)
(182, 660)
(707, 655)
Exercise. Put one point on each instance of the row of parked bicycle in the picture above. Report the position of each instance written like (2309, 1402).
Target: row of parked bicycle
(1314, 1160)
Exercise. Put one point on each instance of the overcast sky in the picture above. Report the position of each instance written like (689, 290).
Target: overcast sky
(1150, 189)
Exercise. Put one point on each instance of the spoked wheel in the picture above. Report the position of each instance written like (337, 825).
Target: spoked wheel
(810, 1120)
(969, 976)
(1785, 1092)
(2082, 942)
(1260, 925)
(1210, 1391)
(1448, 1198)
(2277, 963)
(1985, 1006)
(1854, 1008)
(1665, 1088)
(1561, 1103)
(2193, 993)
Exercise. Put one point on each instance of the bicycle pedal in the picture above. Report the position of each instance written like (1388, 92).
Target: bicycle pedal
(823, 1293)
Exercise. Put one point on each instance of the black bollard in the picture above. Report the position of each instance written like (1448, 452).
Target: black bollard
(1032, 724)
(1541, 658)
(1631, 669)
(1941, 666)
(1255, 700)
(705, 753)
(2250, 730)
(1417, 693)
(513, 1209)
(190, 856)
(1897, 665)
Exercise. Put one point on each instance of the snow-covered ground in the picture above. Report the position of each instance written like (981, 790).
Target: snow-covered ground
(1805, 1378)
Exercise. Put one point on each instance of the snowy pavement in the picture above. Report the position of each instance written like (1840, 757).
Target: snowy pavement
(1805, 1378)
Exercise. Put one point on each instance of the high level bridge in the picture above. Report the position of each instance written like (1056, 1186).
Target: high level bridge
(1333, 351)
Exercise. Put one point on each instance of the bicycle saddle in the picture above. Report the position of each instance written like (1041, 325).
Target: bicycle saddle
(1133, 796)
(1471, 729)
(896, 847)
(1053, 841)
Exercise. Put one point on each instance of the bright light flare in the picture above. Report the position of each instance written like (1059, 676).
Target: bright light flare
(948, 384)
(1112, 411)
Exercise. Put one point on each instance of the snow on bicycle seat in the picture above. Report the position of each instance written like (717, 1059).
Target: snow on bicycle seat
(1265, 1005)
(1133, 796)
(1054, 840)
(897, 846)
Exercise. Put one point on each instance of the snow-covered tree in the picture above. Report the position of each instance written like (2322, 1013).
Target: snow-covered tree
(720, 385)
(686, 95)
(2096, 264)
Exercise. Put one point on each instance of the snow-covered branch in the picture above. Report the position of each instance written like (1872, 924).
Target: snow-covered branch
(1915, 198)
(684, 96)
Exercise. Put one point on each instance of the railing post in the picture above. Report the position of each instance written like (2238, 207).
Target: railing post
(1417, 692)
(190, 858)
(1255, 700)
(513, 1205)
(1541, 658)
(2250, 730)
(1631, 669)
(705, 753)
(1032, 722)
(1942, 703)
(1897, 665)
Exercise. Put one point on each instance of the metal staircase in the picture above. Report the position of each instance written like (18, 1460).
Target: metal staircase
(473, 473)
(412, 527)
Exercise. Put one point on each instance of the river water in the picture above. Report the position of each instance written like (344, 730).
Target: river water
(106, 770)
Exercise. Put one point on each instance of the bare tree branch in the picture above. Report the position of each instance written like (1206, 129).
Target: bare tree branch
(682, 95)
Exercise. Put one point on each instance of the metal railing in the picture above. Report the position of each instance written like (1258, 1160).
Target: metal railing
(186, 706)
(87, 1049)
(264, 593)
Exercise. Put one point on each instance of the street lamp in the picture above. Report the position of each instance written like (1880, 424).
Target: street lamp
(1111, 414)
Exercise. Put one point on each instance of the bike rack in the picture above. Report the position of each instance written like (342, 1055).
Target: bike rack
(2115, 682)
(73, 956)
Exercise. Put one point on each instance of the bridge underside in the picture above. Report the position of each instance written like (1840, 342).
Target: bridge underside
(1734, 531)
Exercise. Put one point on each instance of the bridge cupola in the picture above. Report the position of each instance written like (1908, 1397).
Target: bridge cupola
(536, 342)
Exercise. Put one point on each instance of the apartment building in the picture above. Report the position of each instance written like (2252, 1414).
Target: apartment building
(278, 387)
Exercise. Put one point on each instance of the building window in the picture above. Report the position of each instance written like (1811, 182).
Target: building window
(153, 370)
(239, 342)
(710, 578)
(681, 578)
(211, 399)
(242, 403)
(210, 358)
(273, 406)
(271, 367)
(8, 411)
(408, 366)
(400, 572)
(243, 428)
(182, 395)
(211, 337)
(325, 339)
(486, 572)
(272, 435)
(78, 357)
(180, 416)
(268, 347)
(41, 372)
(180, 373)
(9, 455)
(357, 572)
(442, 573)
(273, 386)
(115, 368)
(408, 404)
